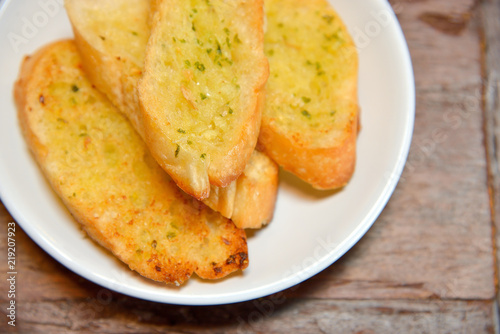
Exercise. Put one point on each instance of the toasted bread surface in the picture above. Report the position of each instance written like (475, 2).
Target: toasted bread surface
(111, 36)
(113, 57)
(104, 174)
(201, 93)
(256, 192)
(250, 200)
(309, 124)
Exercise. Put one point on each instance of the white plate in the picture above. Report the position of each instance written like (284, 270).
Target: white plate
(310, 231)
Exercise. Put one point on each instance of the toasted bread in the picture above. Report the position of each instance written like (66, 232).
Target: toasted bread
(309, 123)
(202, 89)
(249, 201)
(104, 174)
(113, 58)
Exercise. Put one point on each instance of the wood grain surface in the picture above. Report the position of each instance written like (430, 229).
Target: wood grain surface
(429, 263)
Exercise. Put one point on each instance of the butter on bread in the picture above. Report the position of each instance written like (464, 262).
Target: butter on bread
(111, 37)
(309, 123)
(104, 174)
(202, 89)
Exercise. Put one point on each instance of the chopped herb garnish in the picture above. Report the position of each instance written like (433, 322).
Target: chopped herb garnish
(192, 26)
(270, 52)
(181, 131)
(174, 39)
(280, 25)
(199, 66)
(209, 50)
(135, 33)
(183, 40)
(328, 19)
(195, 10)
(75, 88)
(189, 142)
(306, 113)
(332, 113)
(177, 150)
(188, 63)
(335, 36)
(171, 235)
(237, 39)
(230, 111)
(203, 96)
(228, 42)
(219, 50)
(203, 156)
(306, 99)
(226, 30)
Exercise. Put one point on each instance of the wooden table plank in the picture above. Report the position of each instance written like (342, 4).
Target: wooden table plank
(125, 315)
(490, 14)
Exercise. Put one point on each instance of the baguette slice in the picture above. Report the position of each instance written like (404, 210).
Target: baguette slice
(202, 89)
(111, 37)
(250, 200)
(309, 125)
(104, 174)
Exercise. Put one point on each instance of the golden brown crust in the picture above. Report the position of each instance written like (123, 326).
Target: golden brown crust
(249, 201)
(161, 101)
(83, 144)
(256, 192)
(323, 168)
(309, 125)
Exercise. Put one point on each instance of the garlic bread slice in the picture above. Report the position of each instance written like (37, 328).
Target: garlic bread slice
(202, 89)
(309, 124)
(111, 37)
(104, 174)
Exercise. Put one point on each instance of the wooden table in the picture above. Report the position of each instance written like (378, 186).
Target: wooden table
(428, 265)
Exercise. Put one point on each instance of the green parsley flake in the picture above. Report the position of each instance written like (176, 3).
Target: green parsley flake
(199, 66)
(328, 19)
(306, 113)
